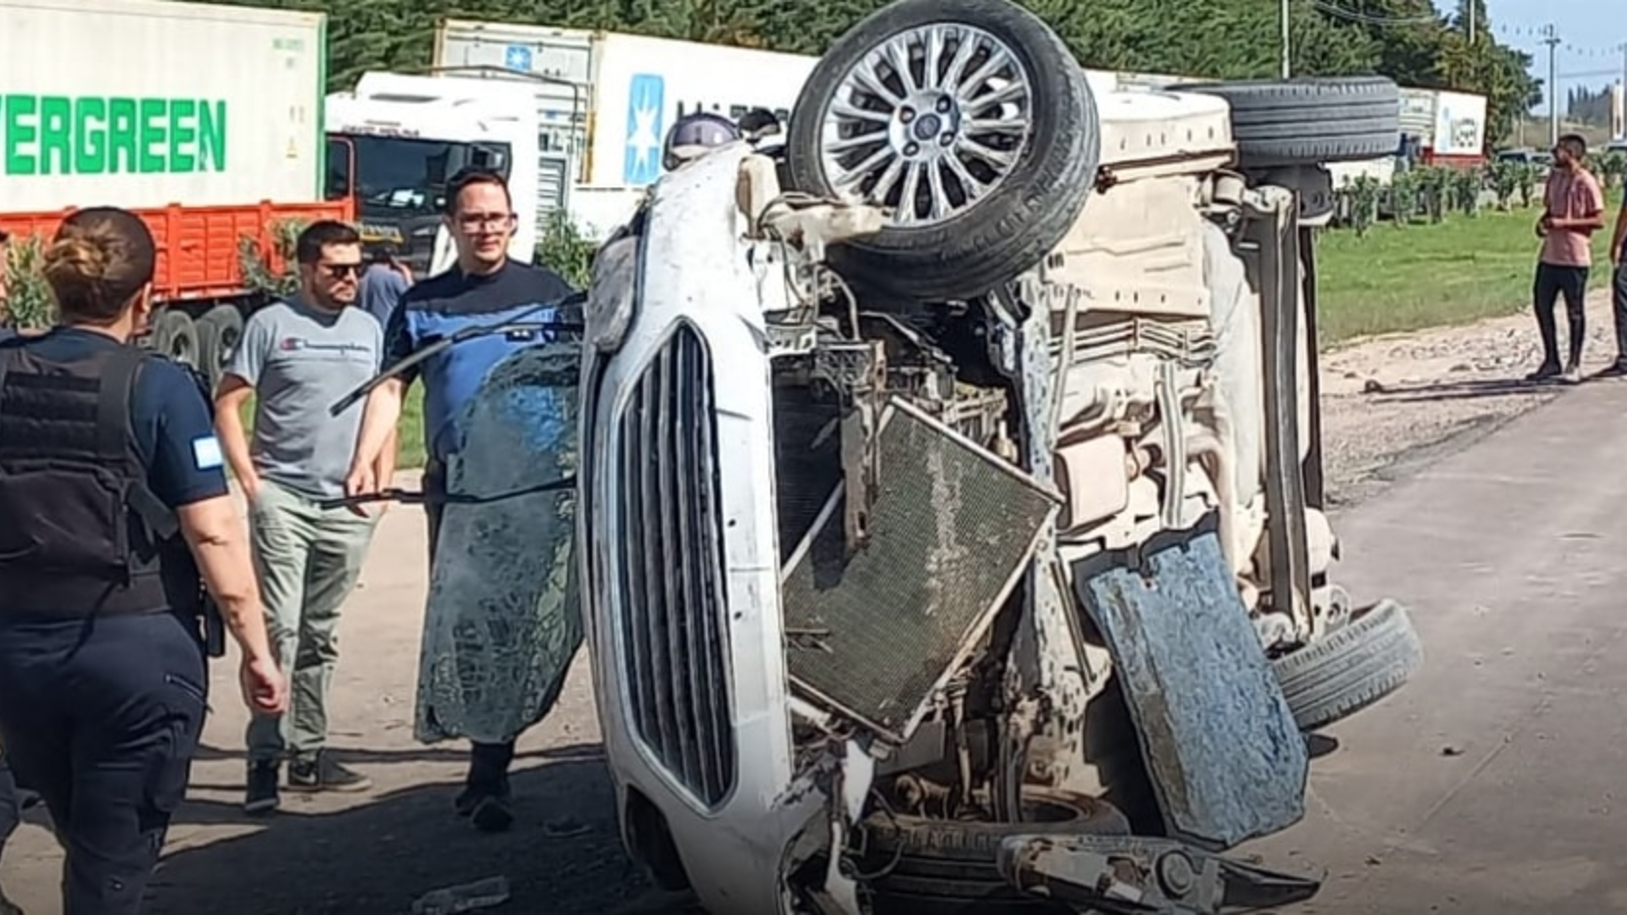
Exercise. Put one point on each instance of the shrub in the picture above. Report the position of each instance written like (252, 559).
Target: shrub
(29, 304)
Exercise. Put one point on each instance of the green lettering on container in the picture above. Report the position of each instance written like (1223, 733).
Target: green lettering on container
(22, 135)
(212, 130)
(183, 135)
(90, 136)
(97, 135)
(154, 135)
(121, 135)
(56, 135)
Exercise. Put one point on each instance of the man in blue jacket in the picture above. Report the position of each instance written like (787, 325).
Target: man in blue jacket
(484, 288)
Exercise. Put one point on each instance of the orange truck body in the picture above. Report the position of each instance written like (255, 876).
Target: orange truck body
(197, 246)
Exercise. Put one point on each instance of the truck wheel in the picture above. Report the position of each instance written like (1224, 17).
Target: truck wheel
(1310, 121)
(971, 121)
(1352, 668)
(174, 335)
(218, 332)
(946, 866)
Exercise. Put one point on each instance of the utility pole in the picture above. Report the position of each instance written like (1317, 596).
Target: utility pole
(1474, 7)
(1287, 37)
(1551, 39)
(1621, 98)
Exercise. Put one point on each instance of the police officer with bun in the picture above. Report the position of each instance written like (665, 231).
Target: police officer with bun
(114, 515)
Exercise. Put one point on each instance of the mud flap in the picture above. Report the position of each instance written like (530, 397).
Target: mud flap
(1224, 755)
(1114, 874)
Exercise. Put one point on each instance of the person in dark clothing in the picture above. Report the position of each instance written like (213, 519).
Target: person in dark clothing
(1618, 291)
(12, 799)
(114, 515)
(485, 287)
(383, 283)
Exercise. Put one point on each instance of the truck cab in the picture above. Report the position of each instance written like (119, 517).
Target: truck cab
(395, 141)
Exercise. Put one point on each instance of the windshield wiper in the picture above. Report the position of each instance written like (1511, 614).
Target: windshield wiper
(419, 497)
(467, 333)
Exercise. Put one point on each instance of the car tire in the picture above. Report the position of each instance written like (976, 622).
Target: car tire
(1352, 667)
(1024, 211)
(947, 866)
(219, 331)
(1310, 121)
(174, 335)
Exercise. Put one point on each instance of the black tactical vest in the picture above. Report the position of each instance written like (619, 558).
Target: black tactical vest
(77, 531)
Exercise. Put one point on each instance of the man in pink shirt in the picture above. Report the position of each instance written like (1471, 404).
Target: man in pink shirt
(1574, 211)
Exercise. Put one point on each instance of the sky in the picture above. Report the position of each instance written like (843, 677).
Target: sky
(1591, 35)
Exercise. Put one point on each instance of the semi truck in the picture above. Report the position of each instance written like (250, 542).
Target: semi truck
(396, 139)
(205, 120)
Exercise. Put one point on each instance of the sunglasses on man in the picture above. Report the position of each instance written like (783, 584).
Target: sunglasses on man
(342, 271)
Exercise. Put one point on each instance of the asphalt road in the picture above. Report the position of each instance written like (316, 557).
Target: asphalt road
(1490, 784)
(1496, 781)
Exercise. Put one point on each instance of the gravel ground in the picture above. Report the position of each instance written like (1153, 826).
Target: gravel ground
(1389, 404)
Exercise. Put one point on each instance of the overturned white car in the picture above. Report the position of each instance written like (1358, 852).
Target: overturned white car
(950, 487)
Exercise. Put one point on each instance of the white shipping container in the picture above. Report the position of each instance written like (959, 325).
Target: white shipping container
(1460, 124)
(143, 103)
(628, 89)
(1418, 114)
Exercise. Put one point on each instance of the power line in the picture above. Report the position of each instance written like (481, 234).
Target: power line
(1373, 18)
(1589, 74)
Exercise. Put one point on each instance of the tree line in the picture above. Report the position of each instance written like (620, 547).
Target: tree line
(1406, 40)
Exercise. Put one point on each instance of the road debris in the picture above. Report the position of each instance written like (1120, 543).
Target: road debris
(465, 897)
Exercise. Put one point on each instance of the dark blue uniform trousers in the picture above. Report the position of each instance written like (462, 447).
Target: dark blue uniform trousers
(102, 717)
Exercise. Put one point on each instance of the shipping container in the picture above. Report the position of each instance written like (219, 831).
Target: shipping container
(608, 97)
(206, 120)
(140, 103)
(1449, 128)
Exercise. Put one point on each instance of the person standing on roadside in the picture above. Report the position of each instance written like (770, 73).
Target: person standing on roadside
(296, 357)
(1573, 211)
(1618, 291)
(383, 283)
(484, 287)
(113, 501)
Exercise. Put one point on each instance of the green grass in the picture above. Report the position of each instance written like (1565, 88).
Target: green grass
(1397, 279)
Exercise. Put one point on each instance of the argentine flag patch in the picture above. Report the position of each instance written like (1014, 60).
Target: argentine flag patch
(206, 454)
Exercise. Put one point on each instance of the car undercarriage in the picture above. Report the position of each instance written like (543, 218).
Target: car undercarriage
(950, 488)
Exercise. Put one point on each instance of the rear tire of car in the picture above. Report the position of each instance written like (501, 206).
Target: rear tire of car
(1021, 218)
(950, 866)
(1353, 667)
(1310, 121)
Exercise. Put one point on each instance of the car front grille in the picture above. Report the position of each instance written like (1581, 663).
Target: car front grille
(675, 638)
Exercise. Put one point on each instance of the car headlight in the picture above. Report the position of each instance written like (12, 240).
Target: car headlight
(613, 294)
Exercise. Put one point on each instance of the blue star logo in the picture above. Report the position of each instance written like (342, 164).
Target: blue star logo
(517, 57)
(646, 98)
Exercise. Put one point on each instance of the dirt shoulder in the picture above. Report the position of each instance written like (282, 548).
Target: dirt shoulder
(1391, 403)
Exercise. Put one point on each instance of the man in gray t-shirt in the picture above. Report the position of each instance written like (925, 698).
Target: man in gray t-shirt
(297, 357)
